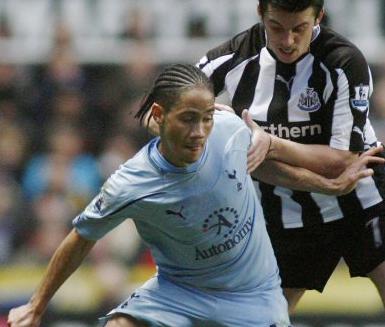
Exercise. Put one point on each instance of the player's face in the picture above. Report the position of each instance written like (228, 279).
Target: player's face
(184, 129)
(289, 33)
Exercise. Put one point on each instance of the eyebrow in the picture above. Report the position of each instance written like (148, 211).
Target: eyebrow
(278, 23)
(198, 111)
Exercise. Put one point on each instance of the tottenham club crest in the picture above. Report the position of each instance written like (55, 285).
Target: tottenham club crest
(233, 175)
(309, 100)
(361, 98)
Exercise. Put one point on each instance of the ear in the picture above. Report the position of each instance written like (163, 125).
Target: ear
(320, 16)
(157, 113)
(259, 11)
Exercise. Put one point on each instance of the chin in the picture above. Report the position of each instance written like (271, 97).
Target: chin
(192, 156)
(191, 159)
(288, 60)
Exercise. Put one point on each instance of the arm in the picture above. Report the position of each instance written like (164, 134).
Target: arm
(296, 178)
(318, 158)
(309, 156)
(301, 179)
(66, 259)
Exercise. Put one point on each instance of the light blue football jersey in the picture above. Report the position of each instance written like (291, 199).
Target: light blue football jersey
(203, 223)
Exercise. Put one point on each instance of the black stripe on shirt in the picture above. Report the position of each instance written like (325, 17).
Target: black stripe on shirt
(278, 110)
(244, 94)
(311, 214)
(219, 75)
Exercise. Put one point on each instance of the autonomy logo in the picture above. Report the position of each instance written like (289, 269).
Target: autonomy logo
(219, 222)
(309, 100)
(227, 245)
(224, 222)
(361, 98)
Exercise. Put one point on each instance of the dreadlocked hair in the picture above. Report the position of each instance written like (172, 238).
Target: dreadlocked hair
(170, 84)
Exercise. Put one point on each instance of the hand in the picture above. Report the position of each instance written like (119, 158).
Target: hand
(260, 143)
(24, 316)
(348, 180)
(223, 107)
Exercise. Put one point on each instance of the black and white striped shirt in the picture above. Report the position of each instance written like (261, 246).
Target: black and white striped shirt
(322, 98)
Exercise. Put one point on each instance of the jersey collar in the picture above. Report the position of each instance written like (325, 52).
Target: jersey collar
(160, 162)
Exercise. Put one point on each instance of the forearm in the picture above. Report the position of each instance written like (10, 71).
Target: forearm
(317, 158)
(66, 259)
(295, 178)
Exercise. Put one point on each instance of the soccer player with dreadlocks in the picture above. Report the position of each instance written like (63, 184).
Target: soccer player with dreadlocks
(195, 205)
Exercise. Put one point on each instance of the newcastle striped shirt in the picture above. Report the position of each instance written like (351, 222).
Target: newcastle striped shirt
(322, 98)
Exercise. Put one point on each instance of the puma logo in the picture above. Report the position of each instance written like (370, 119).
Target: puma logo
(284, 81)
(176, 213)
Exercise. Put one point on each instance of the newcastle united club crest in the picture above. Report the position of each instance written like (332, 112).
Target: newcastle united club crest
(309, 100)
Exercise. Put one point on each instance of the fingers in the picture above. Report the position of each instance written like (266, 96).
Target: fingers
(252, 155)
(253, 165)
(223, 107)
(364, 173)
(373, 151)
(22, 317)
(260, 143)
(367, 160)
(376, 160)
(253, 161)
(247, 118)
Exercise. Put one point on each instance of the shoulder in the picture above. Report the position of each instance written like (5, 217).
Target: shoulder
(227, 119)
(130, 179)
(336, 51)
(227, 125)
(135, 180)
(244, 44)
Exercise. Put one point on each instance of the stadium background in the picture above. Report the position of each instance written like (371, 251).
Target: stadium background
(71, 75)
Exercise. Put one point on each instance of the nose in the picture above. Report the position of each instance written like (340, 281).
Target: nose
(198, 130)
(287, 40)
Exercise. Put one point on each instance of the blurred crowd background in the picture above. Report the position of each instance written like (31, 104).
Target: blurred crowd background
(72, 73)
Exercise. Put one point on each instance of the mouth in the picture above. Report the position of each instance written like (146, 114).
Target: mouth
(287, 53)
(194, 147)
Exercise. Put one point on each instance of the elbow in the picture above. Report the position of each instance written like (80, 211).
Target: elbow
(335, 170)
(336, 167)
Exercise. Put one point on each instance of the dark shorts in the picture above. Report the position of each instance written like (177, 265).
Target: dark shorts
(307, 258)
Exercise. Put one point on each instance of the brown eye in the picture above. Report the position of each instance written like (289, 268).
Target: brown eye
(187, 118)
(300, 29)
(276, 29)
(208, 119)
